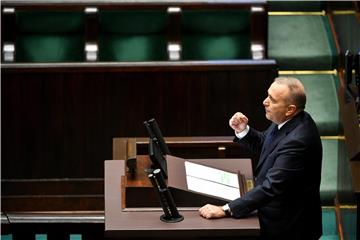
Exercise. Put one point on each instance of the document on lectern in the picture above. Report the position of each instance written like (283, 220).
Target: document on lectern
(212, 181)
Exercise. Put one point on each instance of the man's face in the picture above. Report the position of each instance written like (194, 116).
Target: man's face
(275, 104)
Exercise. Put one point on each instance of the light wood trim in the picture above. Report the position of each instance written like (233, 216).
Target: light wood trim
(307, 72)
(291, 13)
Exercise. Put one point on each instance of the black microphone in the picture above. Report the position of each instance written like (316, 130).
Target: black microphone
(159, 137)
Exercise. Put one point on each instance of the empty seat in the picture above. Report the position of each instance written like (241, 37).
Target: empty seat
(215, 34)
(301, 43)
(348, 217)
(49, 36)
(133, 35)
(322, 103)
(335, 175)
(329, 224)
(6, 237)
(329, 171)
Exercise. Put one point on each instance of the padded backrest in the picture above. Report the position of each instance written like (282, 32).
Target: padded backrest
(302, 43)
(215, 34)
(335, 175)
(322, 103)
(133, 35)
(329, 224)
(49, 36)
(329, 171)
(350, 221)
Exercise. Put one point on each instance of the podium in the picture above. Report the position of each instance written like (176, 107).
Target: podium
(125, 217)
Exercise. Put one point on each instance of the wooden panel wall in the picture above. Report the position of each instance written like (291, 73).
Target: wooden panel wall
(60, 123)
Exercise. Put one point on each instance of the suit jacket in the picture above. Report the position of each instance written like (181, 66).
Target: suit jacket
(287, 181)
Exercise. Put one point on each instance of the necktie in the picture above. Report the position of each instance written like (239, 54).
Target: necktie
(270, 137)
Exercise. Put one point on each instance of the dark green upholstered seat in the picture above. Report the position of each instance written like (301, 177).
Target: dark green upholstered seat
(346, 195)
(55, 36)
(322, 103)
(133, 35)
(329, 171)
(6, 237)
(215, 34)
(348, 216)
(335, 175)
(329, 224)
(330, 237)
(347, 24)
(301, 43)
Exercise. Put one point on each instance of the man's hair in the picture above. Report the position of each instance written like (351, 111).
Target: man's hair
(297, 94)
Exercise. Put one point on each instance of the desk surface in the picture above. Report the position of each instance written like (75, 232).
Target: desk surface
(120, 224)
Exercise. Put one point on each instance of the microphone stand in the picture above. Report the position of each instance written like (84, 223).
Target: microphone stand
(171, 214)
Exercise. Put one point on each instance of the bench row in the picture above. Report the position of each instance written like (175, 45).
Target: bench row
(133, 32)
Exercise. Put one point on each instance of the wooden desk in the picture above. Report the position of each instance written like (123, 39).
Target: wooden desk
(185, 147)
(136, 225)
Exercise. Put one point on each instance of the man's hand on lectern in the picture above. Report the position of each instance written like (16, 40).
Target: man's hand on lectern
(238, 122)
(211, 211)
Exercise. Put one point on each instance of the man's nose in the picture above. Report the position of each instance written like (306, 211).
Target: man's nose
(266, 101)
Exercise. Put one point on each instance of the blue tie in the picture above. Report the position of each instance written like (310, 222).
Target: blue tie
(270, 137)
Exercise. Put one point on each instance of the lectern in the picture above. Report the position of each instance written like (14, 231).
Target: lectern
(125, 219)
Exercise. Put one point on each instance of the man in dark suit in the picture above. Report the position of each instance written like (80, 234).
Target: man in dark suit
(287, 176)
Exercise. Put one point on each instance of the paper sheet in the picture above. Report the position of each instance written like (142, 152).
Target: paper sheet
(212, 181)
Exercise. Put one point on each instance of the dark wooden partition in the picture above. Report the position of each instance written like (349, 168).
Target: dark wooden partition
(59, 120)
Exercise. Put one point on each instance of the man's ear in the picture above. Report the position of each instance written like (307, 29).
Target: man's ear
(291, 110)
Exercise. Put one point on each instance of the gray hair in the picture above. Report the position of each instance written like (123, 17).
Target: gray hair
(297, 94)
